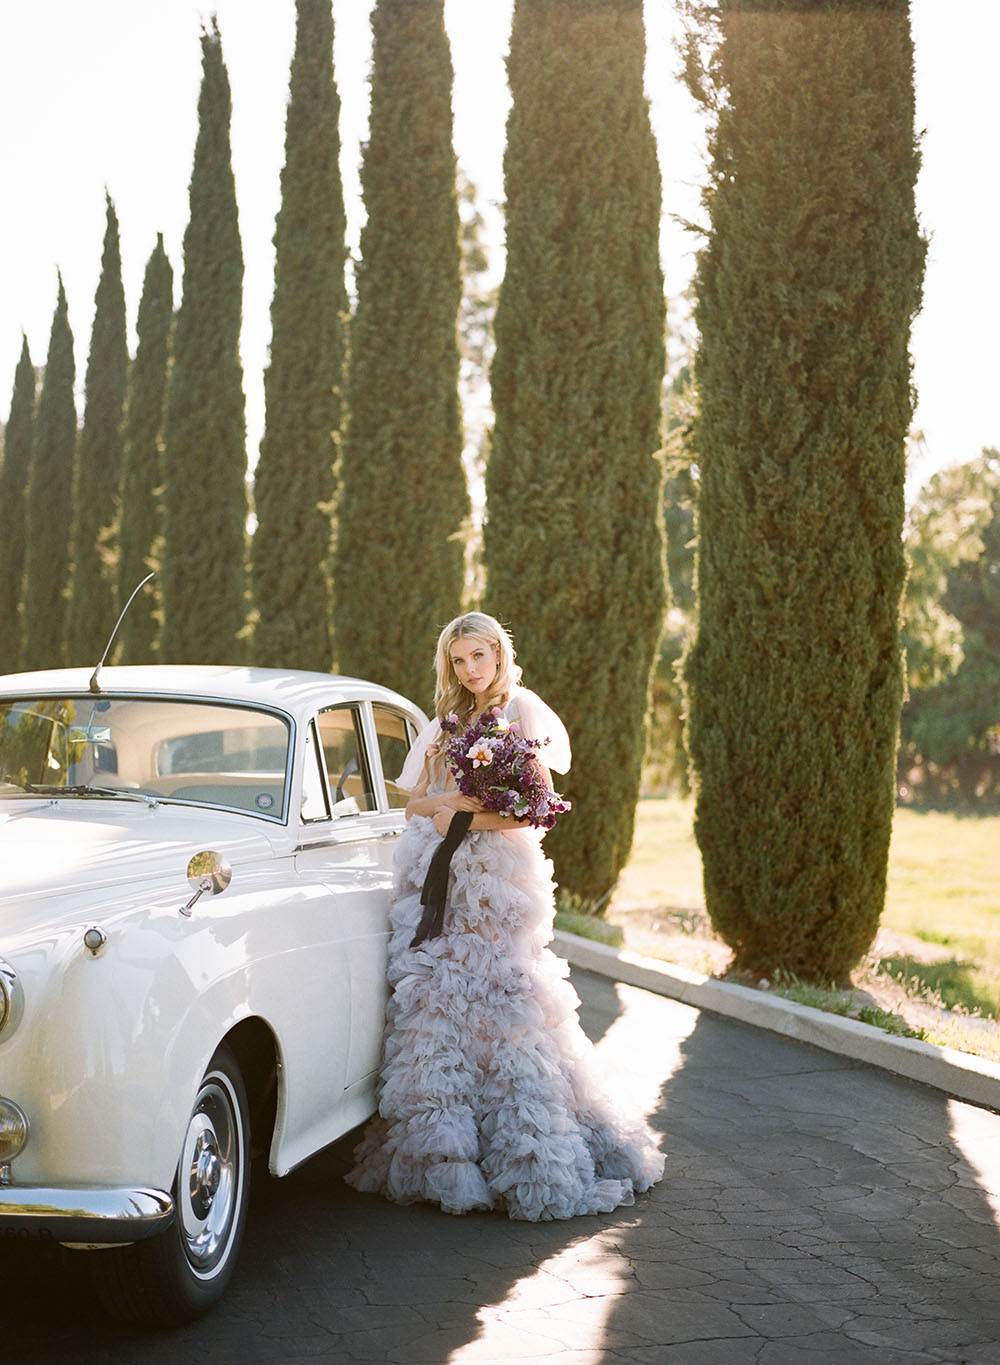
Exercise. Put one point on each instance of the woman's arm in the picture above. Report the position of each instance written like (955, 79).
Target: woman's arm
(422, 804)
(481, 820)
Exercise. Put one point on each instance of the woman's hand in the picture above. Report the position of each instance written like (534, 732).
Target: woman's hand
(442, 819)
(448, 802)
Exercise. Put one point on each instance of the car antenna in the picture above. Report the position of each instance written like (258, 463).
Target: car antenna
(95, 686)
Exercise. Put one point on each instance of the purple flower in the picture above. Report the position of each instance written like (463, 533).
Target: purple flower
(492, 761)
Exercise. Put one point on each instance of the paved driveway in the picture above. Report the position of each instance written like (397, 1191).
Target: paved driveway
(813, 1210)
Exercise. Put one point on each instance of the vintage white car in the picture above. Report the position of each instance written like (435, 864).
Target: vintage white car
(196, 874)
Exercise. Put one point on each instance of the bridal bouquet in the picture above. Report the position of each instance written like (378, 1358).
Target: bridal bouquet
(491, 760)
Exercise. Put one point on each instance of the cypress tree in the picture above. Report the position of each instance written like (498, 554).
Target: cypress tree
(573, 535)
(50, 502)
(91, 615)
(806, 289)
(142, 475)
(14, 474)
(399, 558)
(294, 480)
(203, 581)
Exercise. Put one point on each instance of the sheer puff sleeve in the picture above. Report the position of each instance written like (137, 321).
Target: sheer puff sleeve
(538, 721)
(413, 768)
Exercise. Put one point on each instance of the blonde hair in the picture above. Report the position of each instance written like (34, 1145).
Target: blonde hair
(450, 695)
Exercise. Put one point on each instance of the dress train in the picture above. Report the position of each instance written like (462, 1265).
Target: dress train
(487, 1095)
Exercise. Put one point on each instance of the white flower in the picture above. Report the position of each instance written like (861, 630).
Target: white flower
(481, 754)
(502, 724)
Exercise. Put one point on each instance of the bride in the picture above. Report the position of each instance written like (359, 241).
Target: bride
(486, 1096)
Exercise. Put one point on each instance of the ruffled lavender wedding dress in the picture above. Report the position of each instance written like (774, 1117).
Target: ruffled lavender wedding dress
(487, 1097)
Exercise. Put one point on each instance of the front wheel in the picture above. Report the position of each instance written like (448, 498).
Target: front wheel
(172, 1278)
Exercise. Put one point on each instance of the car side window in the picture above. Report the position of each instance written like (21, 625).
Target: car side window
(347, 768)
(314, 800)
(394, 740)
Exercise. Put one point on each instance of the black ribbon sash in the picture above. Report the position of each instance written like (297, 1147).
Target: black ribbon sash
(435, 889)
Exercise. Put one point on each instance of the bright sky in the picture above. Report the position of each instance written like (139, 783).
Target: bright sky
(105, 94)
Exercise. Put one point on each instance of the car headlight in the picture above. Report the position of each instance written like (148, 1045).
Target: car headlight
(13, 1131)
(11, 997)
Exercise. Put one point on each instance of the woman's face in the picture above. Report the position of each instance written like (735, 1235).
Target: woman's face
(475, 663)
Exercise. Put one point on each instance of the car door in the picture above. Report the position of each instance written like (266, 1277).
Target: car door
(387, 734)
(353, 850)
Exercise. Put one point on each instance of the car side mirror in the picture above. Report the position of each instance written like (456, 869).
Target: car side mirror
(207, 871)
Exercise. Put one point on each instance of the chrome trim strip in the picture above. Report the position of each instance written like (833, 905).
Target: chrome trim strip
(82, 1213)
(348, 837)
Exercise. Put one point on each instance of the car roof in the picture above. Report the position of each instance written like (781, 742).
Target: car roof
(289, 689)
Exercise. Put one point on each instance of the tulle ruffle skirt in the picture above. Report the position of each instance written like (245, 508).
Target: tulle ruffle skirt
(487, 1096)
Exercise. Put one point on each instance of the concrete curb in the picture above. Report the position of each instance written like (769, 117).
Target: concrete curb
(975, 1079)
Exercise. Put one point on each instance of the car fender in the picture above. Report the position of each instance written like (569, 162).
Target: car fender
(112, 1046)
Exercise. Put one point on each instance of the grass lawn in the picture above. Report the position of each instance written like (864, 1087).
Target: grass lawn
(944, 889)
(665, 866)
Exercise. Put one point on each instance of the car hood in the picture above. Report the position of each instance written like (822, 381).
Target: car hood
(51, 854)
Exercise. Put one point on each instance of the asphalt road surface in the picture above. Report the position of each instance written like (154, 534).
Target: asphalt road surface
(813, 1210)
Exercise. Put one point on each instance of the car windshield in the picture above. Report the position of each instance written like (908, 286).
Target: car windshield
(146, 747)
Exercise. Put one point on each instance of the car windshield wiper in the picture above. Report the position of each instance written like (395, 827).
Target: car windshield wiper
(87, 789)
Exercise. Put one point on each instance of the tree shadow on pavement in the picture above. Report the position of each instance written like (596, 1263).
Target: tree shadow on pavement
(813, 1209)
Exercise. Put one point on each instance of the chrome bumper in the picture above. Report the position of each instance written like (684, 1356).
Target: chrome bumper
(82, 1214)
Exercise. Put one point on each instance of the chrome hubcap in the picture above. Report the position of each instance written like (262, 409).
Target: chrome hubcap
(206, 1172)
(210, 1174)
